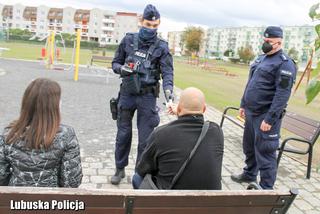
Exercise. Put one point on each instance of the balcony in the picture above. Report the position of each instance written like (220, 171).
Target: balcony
(33, 23)
(106, 35)
(84, 34)
(107, 28)
(78, 26)
(59, 24)
(108, 21)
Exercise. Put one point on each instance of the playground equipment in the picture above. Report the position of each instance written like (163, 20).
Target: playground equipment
(50, 53)
(3, 37)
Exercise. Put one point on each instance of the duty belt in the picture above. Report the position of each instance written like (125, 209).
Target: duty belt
(147, 89)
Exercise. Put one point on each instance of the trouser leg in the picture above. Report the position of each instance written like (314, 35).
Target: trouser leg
(126, 109)
(250, 170)
(147, 120)
(266, 145)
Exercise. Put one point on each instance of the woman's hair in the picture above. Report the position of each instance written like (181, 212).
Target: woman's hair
(39, 116)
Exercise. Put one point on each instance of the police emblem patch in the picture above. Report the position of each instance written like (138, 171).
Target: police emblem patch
(140, 54)
(153, 18)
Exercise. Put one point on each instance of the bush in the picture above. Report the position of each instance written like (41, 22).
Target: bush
(234, 60)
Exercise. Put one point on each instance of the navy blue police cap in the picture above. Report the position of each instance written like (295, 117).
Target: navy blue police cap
(151, 13)
(273, 32)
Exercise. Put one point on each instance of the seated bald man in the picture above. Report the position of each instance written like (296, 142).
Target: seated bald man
(170, 145)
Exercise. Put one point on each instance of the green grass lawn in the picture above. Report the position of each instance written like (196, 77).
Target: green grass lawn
(222, 91)
(33, 52)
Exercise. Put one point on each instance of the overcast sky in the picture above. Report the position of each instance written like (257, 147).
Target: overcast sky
(177, 14)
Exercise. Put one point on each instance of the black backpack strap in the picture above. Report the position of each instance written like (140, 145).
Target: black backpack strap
(203, 133)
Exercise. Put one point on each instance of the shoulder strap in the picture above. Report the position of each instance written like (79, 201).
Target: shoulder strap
(204, 130)
(153, 47)
(135, 42)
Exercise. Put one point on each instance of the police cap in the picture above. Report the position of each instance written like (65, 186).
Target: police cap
(273, 32)
(151, 13)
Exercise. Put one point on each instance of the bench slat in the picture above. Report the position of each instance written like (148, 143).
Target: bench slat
(144, 201)
(205, 210)
(204, 201)
(292, 125)
(303, 119)
(297, 130)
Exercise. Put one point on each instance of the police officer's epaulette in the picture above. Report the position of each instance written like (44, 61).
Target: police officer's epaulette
(284, 57)
(130, 34)
(162, 40)
(258, 59)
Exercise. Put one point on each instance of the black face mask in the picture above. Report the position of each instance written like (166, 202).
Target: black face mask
(266, 47)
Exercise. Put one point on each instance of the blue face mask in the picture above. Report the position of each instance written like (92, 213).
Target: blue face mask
(147, 33)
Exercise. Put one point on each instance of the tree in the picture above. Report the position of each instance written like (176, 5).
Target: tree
(313, 87)
(246, 54)
(228, 53)
(293, 53)
(192, 37)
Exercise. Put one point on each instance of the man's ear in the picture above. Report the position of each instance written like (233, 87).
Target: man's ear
(178, 109)
(204, 108)
(141, 20)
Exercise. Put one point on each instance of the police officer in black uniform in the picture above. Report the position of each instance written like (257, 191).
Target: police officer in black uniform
(141, 59)
(263, 104)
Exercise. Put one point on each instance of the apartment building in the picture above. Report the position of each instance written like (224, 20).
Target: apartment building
(125, 22)
(174, 42)
(103, 26)
(220, 40)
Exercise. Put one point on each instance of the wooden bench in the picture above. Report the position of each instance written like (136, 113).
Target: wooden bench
(103, 59)
(100, 201)
(306, 129)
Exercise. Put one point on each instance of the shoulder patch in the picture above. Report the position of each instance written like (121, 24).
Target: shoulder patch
(288, 73)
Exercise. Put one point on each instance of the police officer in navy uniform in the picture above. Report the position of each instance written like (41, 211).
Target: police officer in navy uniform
(141, 59)
(263, 104)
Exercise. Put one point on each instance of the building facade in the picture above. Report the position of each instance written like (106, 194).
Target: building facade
(103, 26)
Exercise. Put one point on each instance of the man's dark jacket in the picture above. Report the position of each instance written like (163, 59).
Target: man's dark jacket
(170, 145)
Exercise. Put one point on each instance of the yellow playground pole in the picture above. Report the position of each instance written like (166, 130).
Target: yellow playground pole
(76, 61)
(51, 49)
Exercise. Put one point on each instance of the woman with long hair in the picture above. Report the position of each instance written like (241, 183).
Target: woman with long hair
(35, 149)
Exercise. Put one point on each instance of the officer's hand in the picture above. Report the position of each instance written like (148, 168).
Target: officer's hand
(172, 108)
(168, 95)
(242, 113)
(265, 126)
(125, 70)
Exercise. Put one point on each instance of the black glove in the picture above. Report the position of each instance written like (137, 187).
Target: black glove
(168, 95)
(125, 70)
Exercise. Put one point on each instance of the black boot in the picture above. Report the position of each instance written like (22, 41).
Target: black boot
(116, 178)
(239, 178)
